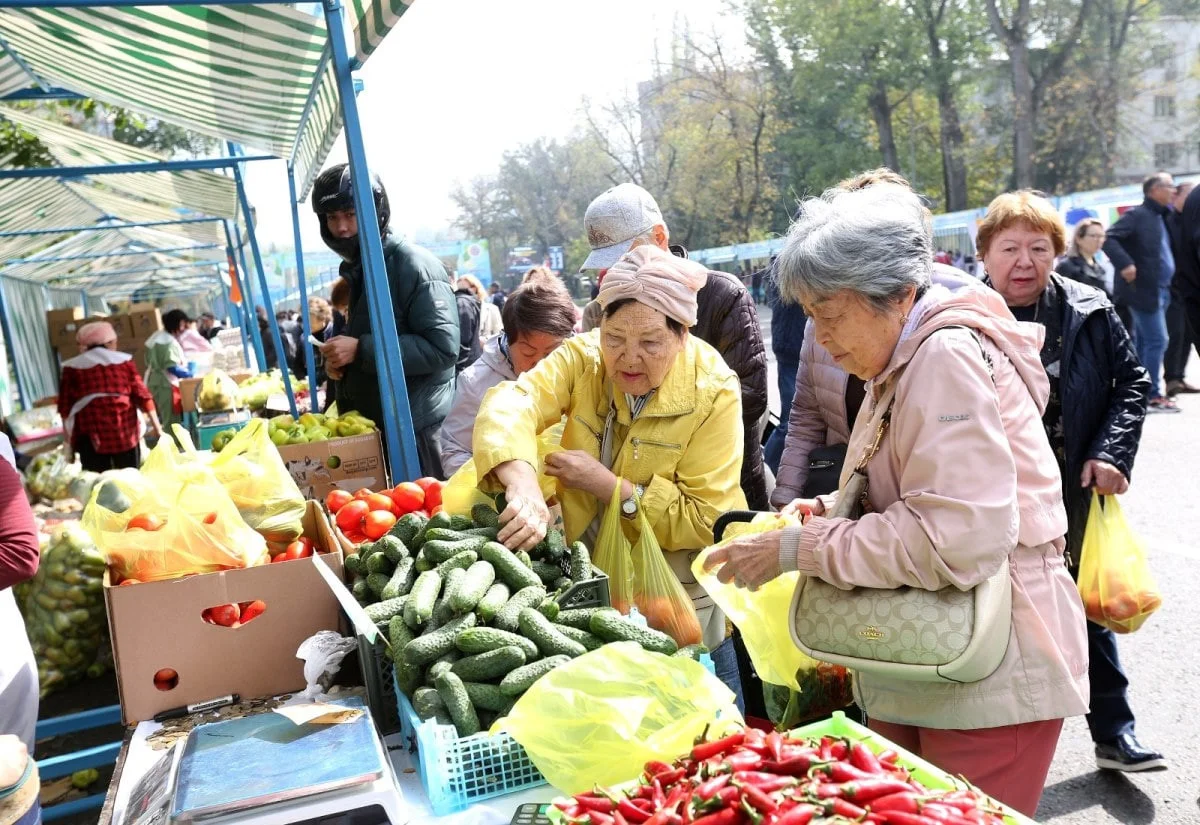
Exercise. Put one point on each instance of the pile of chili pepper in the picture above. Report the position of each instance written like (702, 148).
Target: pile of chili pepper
(756, 778)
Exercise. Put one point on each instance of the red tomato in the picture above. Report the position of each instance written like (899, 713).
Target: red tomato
(408, 496)
(166, 679)
(211, 518)
(362, 492)
(279, 557)
(350, 517)
(298, 550)
(252, 610)
(337, 499)
(226, 615)
(433, 494)
(378, 501)
(435, 511)
(146, 521)
(356, 537)
(378, 523)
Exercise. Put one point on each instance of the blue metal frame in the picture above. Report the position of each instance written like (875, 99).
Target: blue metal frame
(239, 308)
(9, 344)
(397, 424)
(63, 281)
(16, 58)
(50, 93)
(128, 168)
(246, 285)
(308, 104)
(117, 254)
(74, 722)
(97, 227)
(306, 348)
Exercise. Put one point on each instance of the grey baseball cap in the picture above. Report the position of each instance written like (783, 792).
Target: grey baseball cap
(614, 220)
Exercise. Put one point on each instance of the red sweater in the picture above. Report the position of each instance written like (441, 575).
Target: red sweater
(18, 533)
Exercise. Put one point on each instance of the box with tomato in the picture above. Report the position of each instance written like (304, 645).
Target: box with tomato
(366, 515)
(190, 639)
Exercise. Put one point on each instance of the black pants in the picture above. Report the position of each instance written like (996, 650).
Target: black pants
(95, 462)
(1179, 340)
(429, 451)
(1110, 715)
(1126, 316)
(1190, 300)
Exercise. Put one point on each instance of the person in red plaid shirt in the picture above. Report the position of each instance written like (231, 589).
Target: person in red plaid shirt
(99, 397)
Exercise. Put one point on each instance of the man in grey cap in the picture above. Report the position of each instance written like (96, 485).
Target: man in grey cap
(627, 216)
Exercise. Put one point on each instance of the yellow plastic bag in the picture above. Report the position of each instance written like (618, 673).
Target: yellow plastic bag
(1114, 576)
(599, 718)
(764, 618)
(151, 526)
(260, 485)
(461, 492)
(217, 392)
(613, 555)
(656, 589)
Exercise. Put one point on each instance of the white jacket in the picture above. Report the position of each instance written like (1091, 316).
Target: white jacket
(490, 369)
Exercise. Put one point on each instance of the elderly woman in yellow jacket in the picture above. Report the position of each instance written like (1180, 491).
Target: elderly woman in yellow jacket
(648, 407)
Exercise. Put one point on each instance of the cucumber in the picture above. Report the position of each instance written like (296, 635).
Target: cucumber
(377, 581)
(479, 578)
(590, 641)
(494, 599)
(421, 599)
(439, 551)
(549, 608)
(550, 642)
(611, 626)
(402, 579)
(507, 618)
(458, 703)
(553, 547)
(494, 664)
(425, 649)
(362, 593)
(398, 634)
(393, 548)
(524, 558)
(384, 611)
(508, 568)
(579, 564)
(487, 697)
(408, 675)
(427, 702)
(379, 563)
(443, 610)
(521, 679)
(488, 533)
(443, 534)
(547, 572)
(354, 565)
(579, 617)
(442, 665)
(442, 520)
(408, 526)
(423, 563)
(482, 639)
(461, 523)
(561, 584)
(485, 516)
(459, 561)
(693, 652)
(365, 551)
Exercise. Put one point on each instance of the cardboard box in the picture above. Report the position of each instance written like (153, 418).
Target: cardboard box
(61, 325)
(189, 387)
(339, 463)
(157, 625)
(135, 347)
(145, 320)
(122, 324)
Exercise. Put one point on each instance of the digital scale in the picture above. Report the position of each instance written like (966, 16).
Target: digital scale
(266, 770)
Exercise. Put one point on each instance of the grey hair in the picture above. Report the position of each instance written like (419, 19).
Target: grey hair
(875, 242)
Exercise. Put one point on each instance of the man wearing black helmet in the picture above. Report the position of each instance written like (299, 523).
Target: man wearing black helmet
(426, 317)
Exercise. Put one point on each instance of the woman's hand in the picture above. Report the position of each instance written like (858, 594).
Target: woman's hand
(526, 518)
(802, 508)
(340, 351)
(577, 470)
(1107, 479)
(749, 561)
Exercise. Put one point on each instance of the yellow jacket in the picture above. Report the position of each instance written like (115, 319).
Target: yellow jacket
(685, 448)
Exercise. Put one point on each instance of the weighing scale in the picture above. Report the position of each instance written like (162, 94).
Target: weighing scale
(266, 770)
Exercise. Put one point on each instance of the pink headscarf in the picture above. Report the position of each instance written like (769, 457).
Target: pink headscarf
(97, 333)
(657, 279)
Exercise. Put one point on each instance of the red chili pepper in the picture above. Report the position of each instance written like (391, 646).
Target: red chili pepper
(941, 813)
(840, 807)
(619, 818)
(595, 803)
(727, 816)
(565, 804)
(598, 818)
(765, 782)
(645, 792)
(717, 747)
(903, 818)
(791, 751)
(688, 807)
(742, 761)
(864, 790)
(660, 818)
(802, 814)
(632, 812)
(669, 778)
(728, 796)
(906, 801)
(711, 786)
(654, 768)
(864, 759)
(775, 746)
(798, 766)
(656, 794)
(888, 757)
(845, 772)
(839, 749)
(677, 795)
(759, 800)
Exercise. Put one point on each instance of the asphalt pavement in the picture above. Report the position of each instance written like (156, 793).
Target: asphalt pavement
(1162, 660)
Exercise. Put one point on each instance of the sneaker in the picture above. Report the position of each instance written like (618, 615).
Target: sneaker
(1162, 404)
(1126, 754)
(1180, 387)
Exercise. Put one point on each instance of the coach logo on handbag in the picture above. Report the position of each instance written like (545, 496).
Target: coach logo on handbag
(871, 632)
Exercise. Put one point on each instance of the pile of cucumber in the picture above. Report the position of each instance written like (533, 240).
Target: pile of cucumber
(472, 625)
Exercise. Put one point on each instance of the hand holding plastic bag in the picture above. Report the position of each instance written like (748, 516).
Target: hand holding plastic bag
(599, 718)
(1114, 576)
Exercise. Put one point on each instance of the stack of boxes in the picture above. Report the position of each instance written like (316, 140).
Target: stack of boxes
(133, 328)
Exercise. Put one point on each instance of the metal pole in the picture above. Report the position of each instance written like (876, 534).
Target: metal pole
(280, 354)
(250, 323)
(307, 349)
(397, 424)
(66, 172)
(83, 300)
(118, 254)
(6, 327)
(100, 227)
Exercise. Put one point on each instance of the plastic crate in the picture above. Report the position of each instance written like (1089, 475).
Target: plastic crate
(456, 772)
(590, 593)
(379, 678)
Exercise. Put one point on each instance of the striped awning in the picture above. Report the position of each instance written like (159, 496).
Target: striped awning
(12, 77)
(373, 19)
(38, 203)
(206, 192)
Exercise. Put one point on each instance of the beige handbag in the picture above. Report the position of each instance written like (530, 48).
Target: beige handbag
(946, 635)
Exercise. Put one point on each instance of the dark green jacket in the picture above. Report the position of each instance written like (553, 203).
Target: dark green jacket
(427, 322)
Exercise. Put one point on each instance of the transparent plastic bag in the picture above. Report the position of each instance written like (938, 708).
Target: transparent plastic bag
(657, 592)
(1114, 575)
(188, 524)
(801, 687)
(217, 392)
(260, 485)
(613, 555)
(461, 492)
(625, 705)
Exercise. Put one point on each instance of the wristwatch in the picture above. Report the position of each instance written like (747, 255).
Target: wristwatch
(629, 505)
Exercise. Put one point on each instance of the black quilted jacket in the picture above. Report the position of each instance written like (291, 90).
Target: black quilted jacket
(1104, 391)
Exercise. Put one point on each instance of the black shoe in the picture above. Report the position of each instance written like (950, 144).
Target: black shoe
(1125, 753)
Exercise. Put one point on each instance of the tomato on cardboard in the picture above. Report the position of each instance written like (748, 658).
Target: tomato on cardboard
(126, 581)
(378, 501)
(226, 615)
(337, 499)
(146, 521)
(350, 517)
(362, 492)
(408, 496)
(378, 523)
(298, 550)
(252, 610)
(166, 679)
(279, 557)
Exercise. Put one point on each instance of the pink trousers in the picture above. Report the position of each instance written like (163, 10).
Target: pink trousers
(1008, 763)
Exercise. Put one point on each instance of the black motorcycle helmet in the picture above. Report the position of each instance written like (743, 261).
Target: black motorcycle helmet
(332, 192)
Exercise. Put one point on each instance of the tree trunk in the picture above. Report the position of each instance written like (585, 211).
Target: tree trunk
(954, 167)
(881, 113)
(1024, 113)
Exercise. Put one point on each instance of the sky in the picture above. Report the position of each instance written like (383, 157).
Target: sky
(458, 82)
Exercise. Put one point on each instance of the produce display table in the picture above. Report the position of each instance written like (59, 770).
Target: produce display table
(137, 757)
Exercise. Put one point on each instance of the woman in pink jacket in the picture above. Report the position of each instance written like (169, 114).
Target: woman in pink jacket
(964, 479)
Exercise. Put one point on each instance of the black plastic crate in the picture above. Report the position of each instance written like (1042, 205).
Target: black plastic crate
(378, 678)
